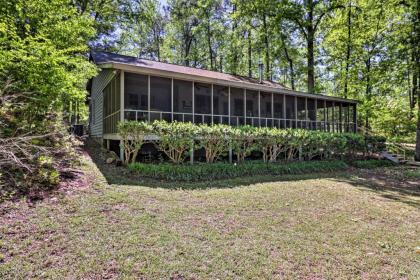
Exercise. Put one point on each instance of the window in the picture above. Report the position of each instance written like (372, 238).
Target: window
(135, 97)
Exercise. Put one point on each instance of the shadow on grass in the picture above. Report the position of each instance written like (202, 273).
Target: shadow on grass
(389, 182)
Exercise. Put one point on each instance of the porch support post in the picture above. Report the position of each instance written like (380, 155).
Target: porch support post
(229, 105)
(355, 118)
(325, 115)
(296, 112)
(316, 113)
(192, 152)
(212, 109)
(122, 107)
(230, 154)
(193, 103)
(148, 98)
(341, 117)
(306, 112)
(244, 105)
(259, 108)
(272, 110)
(284, 110)
(333, 116)
(172, 99)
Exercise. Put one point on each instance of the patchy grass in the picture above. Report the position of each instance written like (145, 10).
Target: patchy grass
(358, 225)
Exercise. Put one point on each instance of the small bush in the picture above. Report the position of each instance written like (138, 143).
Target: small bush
(372, 163)
(197, 172)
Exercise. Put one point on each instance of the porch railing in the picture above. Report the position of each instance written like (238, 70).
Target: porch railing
(145, 115)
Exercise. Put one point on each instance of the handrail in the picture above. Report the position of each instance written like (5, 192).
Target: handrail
(398, 148)
(264, 121)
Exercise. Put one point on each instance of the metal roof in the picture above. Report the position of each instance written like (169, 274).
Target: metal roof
(116, 60)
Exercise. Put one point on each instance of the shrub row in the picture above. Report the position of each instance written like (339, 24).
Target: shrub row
(202, 171)
(372, 163)
(177, 139)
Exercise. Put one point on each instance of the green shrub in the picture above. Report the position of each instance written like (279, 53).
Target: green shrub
(375, 144)
(132, 134)
(197, 172)
(215, 140)
(175, 138)
(242, 141)
(372, 163)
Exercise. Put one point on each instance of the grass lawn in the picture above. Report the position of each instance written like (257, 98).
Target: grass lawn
(361, 224)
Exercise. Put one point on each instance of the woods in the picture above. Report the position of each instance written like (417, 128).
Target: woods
(360, 49)
(365, 50)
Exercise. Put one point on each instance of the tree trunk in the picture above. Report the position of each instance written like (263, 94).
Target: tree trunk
(416, 73)
(235, 51)
(209, 43)
(368, 91)
(267, 49)
(348, 52)
(291, 68)
(310, 44)
(249, 55)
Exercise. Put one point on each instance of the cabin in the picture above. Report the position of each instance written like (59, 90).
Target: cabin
(130, 88)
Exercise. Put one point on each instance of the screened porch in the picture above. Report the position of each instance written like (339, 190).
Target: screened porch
(149, 98)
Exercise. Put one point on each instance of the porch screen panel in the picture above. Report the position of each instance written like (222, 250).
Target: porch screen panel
(252, 107)
(183, 101)
(301, 112)
(160, 98)
(111, 105)
(337, 117)
(135, 96)
(329, 116)
(320, 115)
(237, 106)
(220, 104)
(345, 117)
(278, 110)
(311, 113)
(202, 103)
(266, 109)
(352, 118)
(290, 112)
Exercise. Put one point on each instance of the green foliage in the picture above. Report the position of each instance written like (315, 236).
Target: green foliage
(372, 163)
(133, 135)
(175, 138)
(215, 140)
(197, 172)
(242, 141)
(375, 144)
(364, 49)
(43, 68)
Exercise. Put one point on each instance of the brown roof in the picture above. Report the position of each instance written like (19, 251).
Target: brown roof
(107, 57)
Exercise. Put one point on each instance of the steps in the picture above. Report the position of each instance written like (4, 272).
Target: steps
(393, 157)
